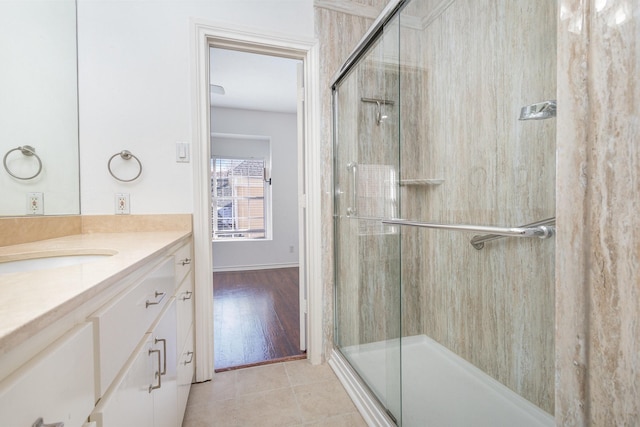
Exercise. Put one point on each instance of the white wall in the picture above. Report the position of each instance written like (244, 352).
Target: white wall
(281, 129)
(135, 90)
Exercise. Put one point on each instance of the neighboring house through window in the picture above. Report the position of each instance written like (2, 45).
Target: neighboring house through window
(238, 190)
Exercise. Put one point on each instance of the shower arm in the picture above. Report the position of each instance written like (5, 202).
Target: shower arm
(542, 229)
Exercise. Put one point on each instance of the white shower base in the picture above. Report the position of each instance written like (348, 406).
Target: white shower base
(439, 388)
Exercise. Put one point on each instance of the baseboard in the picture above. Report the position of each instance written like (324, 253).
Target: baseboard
(368, 406)
(254, 267)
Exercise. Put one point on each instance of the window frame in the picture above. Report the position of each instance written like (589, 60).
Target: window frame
(266, 198)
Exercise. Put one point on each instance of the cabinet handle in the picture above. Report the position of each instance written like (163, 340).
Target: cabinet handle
(189, 353)
(187, 295)
(40, 423)
(158, 376)
(158, 294)
(164, 347)
(185, 261)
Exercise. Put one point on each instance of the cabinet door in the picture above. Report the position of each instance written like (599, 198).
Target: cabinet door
(185, 374)
(121, 323)
(184, 260)
(184, 308)
(130, 402)
(56, 385)
(164, 398)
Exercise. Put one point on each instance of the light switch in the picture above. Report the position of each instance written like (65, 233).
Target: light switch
(182, 152)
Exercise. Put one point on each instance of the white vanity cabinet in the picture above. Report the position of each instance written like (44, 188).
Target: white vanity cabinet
(120, 355)
(149, 389)
(184, 302)
(56, 385)
(145, 392)
(185, 316)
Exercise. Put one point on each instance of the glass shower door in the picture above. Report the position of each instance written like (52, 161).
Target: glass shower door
(366, 168)
(444, 198)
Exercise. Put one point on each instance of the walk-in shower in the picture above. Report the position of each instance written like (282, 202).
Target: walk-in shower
(444, 179)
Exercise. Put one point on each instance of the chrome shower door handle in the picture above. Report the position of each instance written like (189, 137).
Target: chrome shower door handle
(546, 227)
(543, 231)
(500, 231)
(353, 167)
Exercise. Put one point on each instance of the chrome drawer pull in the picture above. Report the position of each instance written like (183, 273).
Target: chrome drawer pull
(158, 376)
(40, 423)
(187, 295)
(158, 294)
(185, 261)
(189, 353)
(164, 347)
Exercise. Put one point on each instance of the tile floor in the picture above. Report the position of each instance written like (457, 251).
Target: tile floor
(284, 394)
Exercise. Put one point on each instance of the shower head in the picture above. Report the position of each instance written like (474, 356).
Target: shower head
(539, 111)
(380, 116)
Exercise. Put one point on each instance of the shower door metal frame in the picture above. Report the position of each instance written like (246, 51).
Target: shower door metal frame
(369, 405)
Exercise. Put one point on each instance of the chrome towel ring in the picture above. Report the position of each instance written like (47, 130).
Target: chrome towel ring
(28, 151)
(125, 155)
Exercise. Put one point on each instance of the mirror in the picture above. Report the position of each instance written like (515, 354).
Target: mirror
(38, 108)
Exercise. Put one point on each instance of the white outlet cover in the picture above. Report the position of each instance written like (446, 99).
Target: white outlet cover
(122, 205)
(35, 203)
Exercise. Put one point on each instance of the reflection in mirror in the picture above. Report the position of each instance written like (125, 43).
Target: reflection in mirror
(38, 108)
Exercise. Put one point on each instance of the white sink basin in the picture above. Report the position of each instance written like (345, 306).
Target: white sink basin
(47, 260)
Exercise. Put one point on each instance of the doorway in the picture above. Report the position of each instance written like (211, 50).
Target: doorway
(207, 34)
(259, 310)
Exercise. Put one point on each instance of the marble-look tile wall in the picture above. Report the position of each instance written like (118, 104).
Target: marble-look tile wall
(465, 86)
(598, 200)
(339, 32)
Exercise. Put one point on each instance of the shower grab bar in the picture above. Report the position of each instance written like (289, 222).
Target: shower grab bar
(541, 231)
(479, 241)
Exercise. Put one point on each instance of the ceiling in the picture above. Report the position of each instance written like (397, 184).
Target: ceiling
(254, 82)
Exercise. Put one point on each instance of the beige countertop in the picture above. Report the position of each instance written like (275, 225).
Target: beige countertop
(30, 301)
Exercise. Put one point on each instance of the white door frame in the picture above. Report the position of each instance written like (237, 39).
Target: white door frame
(205, 35)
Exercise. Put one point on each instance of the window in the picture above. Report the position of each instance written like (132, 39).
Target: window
(239, 203)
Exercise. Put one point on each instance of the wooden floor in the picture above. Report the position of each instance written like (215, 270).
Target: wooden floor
(256, 317)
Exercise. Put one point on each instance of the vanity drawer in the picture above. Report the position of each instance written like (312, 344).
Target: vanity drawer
(183, 259)
(184, 303)
(119, 325)
(56, 385)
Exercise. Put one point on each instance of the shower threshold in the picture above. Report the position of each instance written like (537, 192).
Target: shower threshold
(439, 388)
